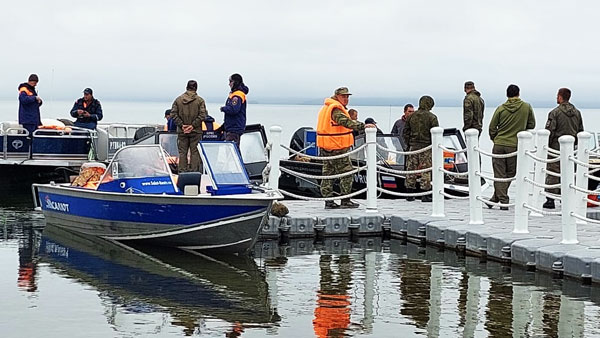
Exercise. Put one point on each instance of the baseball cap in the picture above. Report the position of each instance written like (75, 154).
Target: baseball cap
(342, 91)
(88, 91)
(370, 120)
(167, 112)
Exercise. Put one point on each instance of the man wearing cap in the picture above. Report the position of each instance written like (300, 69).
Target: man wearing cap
(334, 137)
(188, 112)
(473, 107)
(170, 125)
(370, 120)
(87, 110)
(29, 104)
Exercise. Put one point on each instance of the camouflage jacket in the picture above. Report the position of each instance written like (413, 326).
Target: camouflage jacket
(417, 127)
(563, 120)
(473, 107)
(343, 120)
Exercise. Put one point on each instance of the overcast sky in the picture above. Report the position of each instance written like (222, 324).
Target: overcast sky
(147, 50)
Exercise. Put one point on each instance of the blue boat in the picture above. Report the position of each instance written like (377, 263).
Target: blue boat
(138, 199)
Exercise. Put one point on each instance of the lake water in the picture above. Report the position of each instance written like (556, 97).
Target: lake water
(57, 284)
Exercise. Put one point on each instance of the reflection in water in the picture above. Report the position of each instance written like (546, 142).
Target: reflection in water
(191, 287)
(332, 314)
(28, 258)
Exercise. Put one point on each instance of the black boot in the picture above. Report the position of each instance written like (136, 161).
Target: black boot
(410, 191)
(426, 198)
(348, 204)
(331, 205)
(549, 204)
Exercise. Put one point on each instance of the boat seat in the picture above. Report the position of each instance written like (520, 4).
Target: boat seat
(189, 183)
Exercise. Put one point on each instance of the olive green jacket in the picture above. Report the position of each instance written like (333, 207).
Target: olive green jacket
(473, 107)
(509, 119)
(563, 120)
(189, 109)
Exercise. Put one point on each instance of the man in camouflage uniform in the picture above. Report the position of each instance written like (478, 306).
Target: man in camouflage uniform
(510, 118)
(340, 165)
(417, 135)
(562, 120)
(473, 107)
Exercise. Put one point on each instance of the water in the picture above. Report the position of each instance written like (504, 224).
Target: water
(57, 284)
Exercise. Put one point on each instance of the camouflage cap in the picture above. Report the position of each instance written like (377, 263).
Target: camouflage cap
(342, 91)
(469, 84)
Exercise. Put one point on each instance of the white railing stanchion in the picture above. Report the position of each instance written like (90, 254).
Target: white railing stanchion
(475, 205)
(371, 139)
(437, 175)
(581, 180)
(569, 226)
(539, 176)
(275, 133)
(525, 140)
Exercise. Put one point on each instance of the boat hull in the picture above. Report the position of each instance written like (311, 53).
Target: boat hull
(218, 223)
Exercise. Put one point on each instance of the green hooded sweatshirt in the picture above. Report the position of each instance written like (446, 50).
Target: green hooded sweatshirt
(509, 119)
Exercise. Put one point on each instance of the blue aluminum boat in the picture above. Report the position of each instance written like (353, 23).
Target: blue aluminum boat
(138, 199)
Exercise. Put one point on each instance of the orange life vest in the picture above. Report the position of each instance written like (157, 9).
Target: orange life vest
(330, 135)
(238, 93)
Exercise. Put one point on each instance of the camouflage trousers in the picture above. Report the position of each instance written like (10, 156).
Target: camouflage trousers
(554, 167)
(334, 167)
(415, 162)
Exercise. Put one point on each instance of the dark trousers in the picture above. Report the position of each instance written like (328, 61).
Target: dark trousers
(229, 136)
(503, 168)
(185, 143)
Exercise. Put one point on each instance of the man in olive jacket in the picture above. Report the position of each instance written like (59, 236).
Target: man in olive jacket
(510, 118)
(473, 106)
(417, 135)
(188, 112)
(562, 120)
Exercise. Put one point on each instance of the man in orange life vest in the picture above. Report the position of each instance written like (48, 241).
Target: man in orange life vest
(29, 104)
(334, 137)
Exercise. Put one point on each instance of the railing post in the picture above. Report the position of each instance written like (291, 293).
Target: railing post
(475, 205)
(437, 176)
(524, 139)
(581, 180)
(567, 200)
(539, 176)
(371, 138)
(274, 158)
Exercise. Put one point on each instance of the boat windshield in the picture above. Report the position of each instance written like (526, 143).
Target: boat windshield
(252, 147)
(224, 164)
(387, 141)
(138, 161)
(452, 142)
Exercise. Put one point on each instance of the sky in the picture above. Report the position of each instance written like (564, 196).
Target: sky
(386, 52)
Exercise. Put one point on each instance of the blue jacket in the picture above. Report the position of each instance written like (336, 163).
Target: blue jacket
(235, 111)
(29, 108)
(95, 110)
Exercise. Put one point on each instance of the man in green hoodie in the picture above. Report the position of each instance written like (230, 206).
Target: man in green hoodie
(510, 118)
(188, 112)
(562, 120)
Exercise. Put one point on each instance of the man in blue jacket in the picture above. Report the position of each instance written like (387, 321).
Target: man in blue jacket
(29, 104)
(87, 110)
(235, 109)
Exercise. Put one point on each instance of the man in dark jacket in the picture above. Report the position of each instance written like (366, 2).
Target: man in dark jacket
(510, 118)
(29, 104)
(562, 120)
(235, 109)
(473, 107)
(398, 127)
(87, 110)
(188, 112)
(417, 135)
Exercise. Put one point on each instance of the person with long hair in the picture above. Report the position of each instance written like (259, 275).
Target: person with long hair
(235, 109)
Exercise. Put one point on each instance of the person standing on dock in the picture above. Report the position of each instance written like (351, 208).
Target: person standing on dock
(417, 135)
(562, 120)
(87, 110)
(188, 112)
(29, 104)
(473, 106)
(234, 109)
(510, 118)
(334, 137)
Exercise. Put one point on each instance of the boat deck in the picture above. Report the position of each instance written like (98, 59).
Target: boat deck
(539, 249)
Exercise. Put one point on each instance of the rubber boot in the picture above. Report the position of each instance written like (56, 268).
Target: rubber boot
(549, 204)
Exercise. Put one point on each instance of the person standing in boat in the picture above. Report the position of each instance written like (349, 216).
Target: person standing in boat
(562, 120)
(29, 104)
(170, 125)
(398, 127)
(211, 130)
(334, 137)
(188, 112)
(510, 118)
(235, 109)
(473, 106)
(417, 135)
(87, 110)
